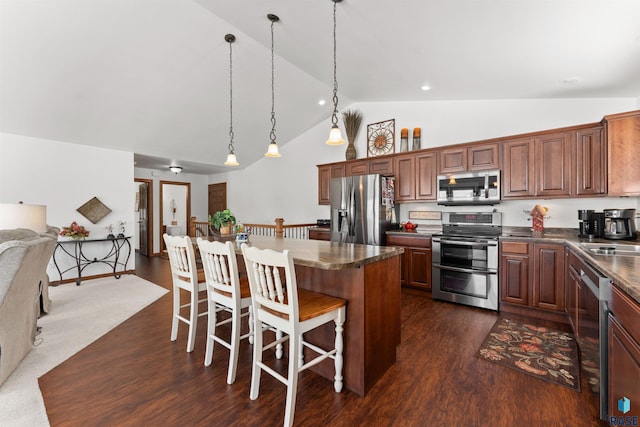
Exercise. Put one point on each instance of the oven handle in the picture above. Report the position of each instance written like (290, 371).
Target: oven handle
(464, 243)
(463, 270)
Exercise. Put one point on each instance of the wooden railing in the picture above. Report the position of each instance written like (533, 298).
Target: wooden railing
(278, 229)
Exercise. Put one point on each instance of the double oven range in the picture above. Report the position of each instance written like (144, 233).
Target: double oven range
(465, 259)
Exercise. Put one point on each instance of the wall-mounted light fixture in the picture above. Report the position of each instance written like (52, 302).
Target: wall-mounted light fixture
(335, 136)
(231, 157)
(175, 169)
(273, 147)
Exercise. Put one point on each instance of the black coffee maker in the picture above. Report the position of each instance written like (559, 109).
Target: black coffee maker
(619, 224)
(591, 224)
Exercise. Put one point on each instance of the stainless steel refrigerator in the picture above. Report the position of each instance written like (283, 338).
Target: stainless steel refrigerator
(362, 209)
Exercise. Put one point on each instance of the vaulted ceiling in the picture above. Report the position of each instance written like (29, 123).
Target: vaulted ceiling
(152, 76)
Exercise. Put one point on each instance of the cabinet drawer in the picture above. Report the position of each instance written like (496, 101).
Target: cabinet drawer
(515, 247)
(409, 241)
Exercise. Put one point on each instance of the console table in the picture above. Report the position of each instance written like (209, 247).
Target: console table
(117, 255)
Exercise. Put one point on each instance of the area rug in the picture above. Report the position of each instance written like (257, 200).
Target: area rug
(543, 353)
(79, 315)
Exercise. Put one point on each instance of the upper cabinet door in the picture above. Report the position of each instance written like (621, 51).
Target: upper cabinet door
(483, 157)
(324, 182)
(325, 174)
(591, 166)
(381, 166)
(623, 136)
(357, 168)
(426, 176)
(405, 173)
(453, 160)
(518, 172)
(553, 164)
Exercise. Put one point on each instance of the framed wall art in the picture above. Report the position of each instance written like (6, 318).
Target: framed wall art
(94, 210)
(381, 138)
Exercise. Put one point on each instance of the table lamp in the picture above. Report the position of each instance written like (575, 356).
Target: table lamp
(19, 215)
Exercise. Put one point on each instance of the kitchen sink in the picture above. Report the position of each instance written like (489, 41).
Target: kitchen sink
(616, 249)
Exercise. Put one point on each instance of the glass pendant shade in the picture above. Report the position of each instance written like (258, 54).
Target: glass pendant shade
(335, 136)
(231, 160)
(273, 150)
(231, 157)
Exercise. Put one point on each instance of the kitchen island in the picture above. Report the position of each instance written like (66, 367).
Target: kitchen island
(368, 277)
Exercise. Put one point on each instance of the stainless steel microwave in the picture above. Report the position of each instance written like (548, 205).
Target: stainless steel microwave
(469, 188)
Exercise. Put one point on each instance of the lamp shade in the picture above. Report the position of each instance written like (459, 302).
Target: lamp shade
(335, 136)
(18, 215)
(272, 151)
(231, 160)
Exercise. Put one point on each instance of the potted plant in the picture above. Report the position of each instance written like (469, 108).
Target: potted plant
(223, 221)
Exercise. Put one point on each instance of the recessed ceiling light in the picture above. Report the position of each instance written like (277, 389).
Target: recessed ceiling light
(322, 102)
(425, 87)
(572, 80)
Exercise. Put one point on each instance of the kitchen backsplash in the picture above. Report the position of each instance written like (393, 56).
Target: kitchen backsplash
(562, 213)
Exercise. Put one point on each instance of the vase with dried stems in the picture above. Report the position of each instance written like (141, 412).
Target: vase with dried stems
(352, 120)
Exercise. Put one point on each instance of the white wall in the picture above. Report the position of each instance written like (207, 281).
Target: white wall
(174, 195)
(63, 177)
(287, 187)
(199, 195)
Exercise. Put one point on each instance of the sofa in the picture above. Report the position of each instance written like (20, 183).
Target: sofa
(24, 256)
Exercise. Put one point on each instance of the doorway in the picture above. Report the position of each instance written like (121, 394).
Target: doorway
(217, 200)
(175, 209)
(144, 208)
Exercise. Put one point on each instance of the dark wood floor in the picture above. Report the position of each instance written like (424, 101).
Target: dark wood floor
(136, 376)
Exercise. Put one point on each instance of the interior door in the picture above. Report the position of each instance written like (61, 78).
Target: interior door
(217, 197)
(143, 219)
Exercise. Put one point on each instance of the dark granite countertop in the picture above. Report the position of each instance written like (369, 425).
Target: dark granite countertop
(623, 270)
(322, 254)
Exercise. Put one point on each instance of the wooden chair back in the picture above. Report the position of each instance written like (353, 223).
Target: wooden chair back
(272, 281)
(220, 266)
(182, 260)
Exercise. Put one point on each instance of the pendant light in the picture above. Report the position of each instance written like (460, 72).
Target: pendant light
(335, 137)
(231, 157)
(273, 147)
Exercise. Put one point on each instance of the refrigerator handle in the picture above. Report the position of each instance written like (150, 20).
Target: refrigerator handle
(351, 212)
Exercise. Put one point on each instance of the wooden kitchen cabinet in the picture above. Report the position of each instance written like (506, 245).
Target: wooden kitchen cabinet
(405, 173)
(518, 168)
(548, 276)
(381, 166)
(319, 234)
(537, 166)
(416, 177)
(453, 160)
(514, 272)
(325, 174)
(624, 352)
(532, 279)
(552, 164)
(416, 259)
(324, 182)
(474, 157)
(623, 133)
(356, 168)
(426, 177)
(590, 152)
